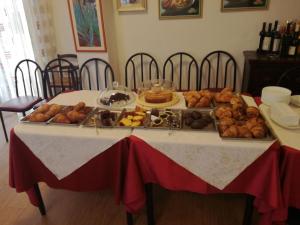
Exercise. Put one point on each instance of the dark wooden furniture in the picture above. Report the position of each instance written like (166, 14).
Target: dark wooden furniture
(261, 71)
(291, 79)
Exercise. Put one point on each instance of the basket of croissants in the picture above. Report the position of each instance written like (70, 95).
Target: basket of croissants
(72, 114)
(240, 121)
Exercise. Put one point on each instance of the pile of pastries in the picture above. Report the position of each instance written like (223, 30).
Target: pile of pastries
(240, 121)
(196, 120)
(133, 119)
(198, 99)
(72, 114)
(224, 96)
(44, 113)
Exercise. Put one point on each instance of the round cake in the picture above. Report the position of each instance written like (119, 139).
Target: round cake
(158, 97)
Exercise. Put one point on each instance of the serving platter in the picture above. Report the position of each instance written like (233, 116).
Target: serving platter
(203, 119)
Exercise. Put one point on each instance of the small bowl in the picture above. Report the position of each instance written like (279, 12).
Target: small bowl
(274, 94)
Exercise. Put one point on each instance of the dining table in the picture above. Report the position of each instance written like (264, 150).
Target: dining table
(124, 160)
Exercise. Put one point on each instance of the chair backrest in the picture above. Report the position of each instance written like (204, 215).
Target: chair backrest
(216, 68)
(29, 79)
(70, 57)
(291, 79)
(183, 65)
(101, 69)
(60, 75)
(139, 67)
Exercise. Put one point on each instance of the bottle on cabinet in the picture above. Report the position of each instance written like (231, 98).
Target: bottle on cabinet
(276, 39)
(267, 40)
(286, 41)
(262, 35)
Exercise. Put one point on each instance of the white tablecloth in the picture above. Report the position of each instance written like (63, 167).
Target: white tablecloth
(64, 149)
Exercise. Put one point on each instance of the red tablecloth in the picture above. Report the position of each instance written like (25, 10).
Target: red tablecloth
(290, 175)
(147, 165)
(129, 164)
(104, 171)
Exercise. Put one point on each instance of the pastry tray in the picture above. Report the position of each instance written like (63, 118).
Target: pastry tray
(210, 127)
(94, 119)
(163, 117)
(269, 136)
(124, 113)
(24, 119)
(66, 109)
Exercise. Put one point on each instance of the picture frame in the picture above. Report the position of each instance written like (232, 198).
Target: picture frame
(244, 5)
(185, 9)
(131, 5)
(87, 25)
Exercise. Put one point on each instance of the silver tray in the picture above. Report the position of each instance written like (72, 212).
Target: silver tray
(210, 127)
(67, 109)
(165, 124)
(123, 114)
(94, 119)
(269, 136)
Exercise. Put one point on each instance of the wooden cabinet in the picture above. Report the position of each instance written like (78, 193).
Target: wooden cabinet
(261, 71)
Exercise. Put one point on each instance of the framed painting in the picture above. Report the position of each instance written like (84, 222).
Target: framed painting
(180, 9)
(87, 25)
(131, 5)
(236, 5)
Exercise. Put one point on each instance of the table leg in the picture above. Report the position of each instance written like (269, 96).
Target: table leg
(248, 210)
(40, 199)
(149, 203)
(129, 218)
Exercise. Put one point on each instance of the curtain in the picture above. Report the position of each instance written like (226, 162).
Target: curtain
(15, 44)
(40, 24)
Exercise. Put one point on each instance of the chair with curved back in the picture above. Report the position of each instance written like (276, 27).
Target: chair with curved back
(101, 69)
(143, 63)
(60, 76)
(185, 63)
(30, 89)
(220, 63)
(72, 58)
(291, 79)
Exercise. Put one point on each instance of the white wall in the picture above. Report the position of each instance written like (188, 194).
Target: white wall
(132, 32)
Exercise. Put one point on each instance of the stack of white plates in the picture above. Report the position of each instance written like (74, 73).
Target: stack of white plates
(274, 94)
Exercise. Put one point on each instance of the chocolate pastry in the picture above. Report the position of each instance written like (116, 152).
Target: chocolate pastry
(117, 97)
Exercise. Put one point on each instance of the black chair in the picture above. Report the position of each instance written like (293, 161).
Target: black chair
(72, 58)
(140, 67)
(30, 89)
(184, 63)
(101, 69)
(60, 76)
(291, 79)
(216, 68)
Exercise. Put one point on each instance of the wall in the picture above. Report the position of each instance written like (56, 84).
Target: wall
(132, 32)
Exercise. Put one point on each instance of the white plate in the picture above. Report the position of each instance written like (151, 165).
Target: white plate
(286, 127)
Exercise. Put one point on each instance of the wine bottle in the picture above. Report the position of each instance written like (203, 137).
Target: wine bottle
(285, 41)
(267, 39)
(293, 43)
(298, 46)
(262, 34)
(276, 39)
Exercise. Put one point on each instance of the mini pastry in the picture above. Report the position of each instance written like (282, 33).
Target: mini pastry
(227, 122)
(244, 132)
(125, 122)
(157, 122)
(43, 108)
(232, 131)
(252, 112)
(258, 131)
(79, 106)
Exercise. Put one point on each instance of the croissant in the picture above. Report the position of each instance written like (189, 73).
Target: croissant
(203, 102)
(227, 121)
(223, 112)
(232, 131)
(79, 106)
(61, 118)
(75, 116)
(252, 112)
(192, 102)
(38, 117)
(43, 108)
(244, 132)
(258, 131)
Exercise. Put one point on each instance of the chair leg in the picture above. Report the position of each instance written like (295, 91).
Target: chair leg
(149, 203)
(129, 218)
(3, 125)
(248, 210)
(40, 199)
(23, 113)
